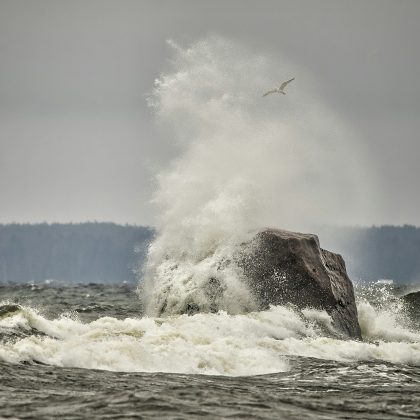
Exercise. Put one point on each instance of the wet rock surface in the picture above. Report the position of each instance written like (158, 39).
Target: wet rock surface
(412, 301)
(285, 267)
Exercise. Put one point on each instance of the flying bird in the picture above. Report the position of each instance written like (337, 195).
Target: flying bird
(279, 89)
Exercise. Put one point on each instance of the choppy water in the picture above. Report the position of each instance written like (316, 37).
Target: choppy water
(87, 352)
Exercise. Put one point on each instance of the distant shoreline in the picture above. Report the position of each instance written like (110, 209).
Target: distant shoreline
(107, 252)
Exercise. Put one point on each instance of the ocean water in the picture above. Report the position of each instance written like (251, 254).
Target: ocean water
(87, 351)
(240, 162)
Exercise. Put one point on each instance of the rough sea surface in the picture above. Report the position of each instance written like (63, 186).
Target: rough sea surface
(86, 352)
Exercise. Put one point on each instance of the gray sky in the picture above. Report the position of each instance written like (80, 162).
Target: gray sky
(78, 143)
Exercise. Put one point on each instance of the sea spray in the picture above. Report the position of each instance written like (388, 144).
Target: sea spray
(383, 315)
(206, 343)
(244, 162)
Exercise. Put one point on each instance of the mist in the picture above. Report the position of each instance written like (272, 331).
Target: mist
(244, 161)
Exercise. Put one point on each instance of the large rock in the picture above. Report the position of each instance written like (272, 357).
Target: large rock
(412, 301)
(291, 268)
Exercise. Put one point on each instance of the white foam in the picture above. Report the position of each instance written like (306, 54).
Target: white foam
(386, 323)
(217, 344)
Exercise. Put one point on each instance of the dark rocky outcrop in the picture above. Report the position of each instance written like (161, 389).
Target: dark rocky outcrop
(291, 268)
(412, 301)
(412, 298)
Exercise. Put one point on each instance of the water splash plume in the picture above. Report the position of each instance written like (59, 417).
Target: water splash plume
(244, 162)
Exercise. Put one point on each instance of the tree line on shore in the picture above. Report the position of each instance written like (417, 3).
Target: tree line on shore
(111, 253)
(73, 253)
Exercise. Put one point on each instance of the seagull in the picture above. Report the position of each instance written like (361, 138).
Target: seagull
(279, 89)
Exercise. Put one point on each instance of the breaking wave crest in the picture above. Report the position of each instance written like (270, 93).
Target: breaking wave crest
(205, 343)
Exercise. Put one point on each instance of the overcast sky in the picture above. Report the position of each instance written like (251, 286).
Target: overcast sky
(78, 143)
